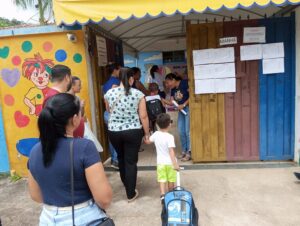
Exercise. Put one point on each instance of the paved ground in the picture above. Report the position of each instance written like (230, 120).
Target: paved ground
(233, 197)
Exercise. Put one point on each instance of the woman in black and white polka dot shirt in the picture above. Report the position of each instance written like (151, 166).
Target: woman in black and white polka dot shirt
(127, 124)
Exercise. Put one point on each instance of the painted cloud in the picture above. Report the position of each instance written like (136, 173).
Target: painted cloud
(154, 57)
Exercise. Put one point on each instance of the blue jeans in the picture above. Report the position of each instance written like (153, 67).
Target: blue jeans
(83, 216)
(184, 130)
(113, 153)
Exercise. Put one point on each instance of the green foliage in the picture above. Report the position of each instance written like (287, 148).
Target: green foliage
(43, 6)
(7, 23)
(15, 177)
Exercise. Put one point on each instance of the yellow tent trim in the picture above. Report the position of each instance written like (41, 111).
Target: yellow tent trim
(82, 11)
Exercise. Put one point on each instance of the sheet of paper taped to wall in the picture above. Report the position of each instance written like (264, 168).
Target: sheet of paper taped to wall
(210, 71)
(273, 66)
(207, 86)
(251, 52)
(213, 56)
(254, 35)
(273, 50)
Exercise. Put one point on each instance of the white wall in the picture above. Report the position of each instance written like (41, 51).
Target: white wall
(297, 106)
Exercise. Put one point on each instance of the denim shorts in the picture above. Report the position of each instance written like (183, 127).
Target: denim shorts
(83, 216)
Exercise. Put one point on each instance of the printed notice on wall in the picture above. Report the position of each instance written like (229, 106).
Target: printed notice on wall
(205, 86)
(223, 55)
(273, 50)
(226, 85)
(254, 35)
(251, 52)
(102, 51)
(210, 71)
(228, 41)
(204, 56)
(273, 66)
(213, 56)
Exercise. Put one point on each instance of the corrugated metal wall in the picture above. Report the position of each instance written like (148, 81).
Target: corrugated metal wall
(241, 107)
(277, 95)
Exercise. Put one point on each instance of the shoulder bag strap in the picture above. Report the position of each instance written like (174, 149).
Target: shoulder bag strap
(72, 179)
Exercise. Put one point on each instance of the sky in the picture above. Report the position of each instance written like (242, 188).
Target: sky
(10, 11)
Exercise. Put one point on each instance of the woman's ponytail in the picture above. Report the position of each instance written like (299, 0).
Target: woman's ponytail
(125, 75)
(53, 121)
(48, 135)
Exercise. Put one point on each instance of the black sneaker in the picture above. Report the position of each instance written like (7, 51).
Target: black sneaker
(114, 165)
(297, 175)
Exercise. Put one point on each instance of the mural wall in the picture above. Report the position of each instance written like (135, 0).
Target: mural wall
(129, 61)
(147, 59)
(4, 164)
(25, 66)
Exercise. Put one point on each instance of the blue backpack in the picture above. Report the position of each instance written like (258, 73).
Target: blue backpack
(179, 209)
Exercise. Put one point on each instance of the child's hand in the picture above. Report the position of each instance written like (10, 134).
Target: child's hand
(147, 140)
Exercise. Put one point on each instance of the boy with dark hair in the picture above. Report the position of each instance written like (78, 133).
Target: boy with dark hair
(76, 85)
(166, 160)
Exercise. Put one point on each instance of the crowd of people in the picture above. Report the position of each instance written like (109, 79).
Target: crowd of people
(61, 127)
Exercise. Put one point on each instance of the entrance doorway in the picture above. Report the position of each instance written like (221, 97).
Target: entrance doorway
(224, 126)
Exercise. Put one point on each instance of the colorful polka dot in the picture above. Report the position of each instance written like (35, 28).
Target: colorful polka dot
(16, 60)
(47, 46)
(77, 58)
(9, 100)
(60, 55)
(27, 46)
(4, 52)
(39, 96)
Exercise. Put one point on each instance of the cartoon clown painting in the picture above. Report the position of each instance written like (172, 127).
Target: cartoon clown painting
(38, 71)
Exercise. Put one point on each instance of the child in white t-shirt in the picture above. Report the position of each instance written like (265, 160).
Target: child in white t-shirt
(166, 160)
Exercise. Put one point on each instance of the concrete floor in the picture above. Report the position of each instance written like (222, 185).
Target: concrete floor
(233, 197)
(232, 194)
(147, 156)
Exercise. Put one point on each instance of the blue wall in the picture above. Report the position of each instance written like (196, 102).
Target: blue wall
(4, 163)
(277, 95)
(129, 61)
(146, 60)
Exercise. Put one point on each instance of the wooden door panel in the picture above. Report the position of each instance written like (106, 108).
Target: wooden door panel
(241, 114)
(207, 111)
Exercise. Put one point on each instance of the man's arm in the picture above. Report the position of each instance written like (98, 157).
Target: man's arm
(142, 88)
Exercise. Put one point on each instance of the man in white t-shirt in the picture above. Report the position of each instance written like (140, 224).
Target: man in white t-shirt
(166, 160)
